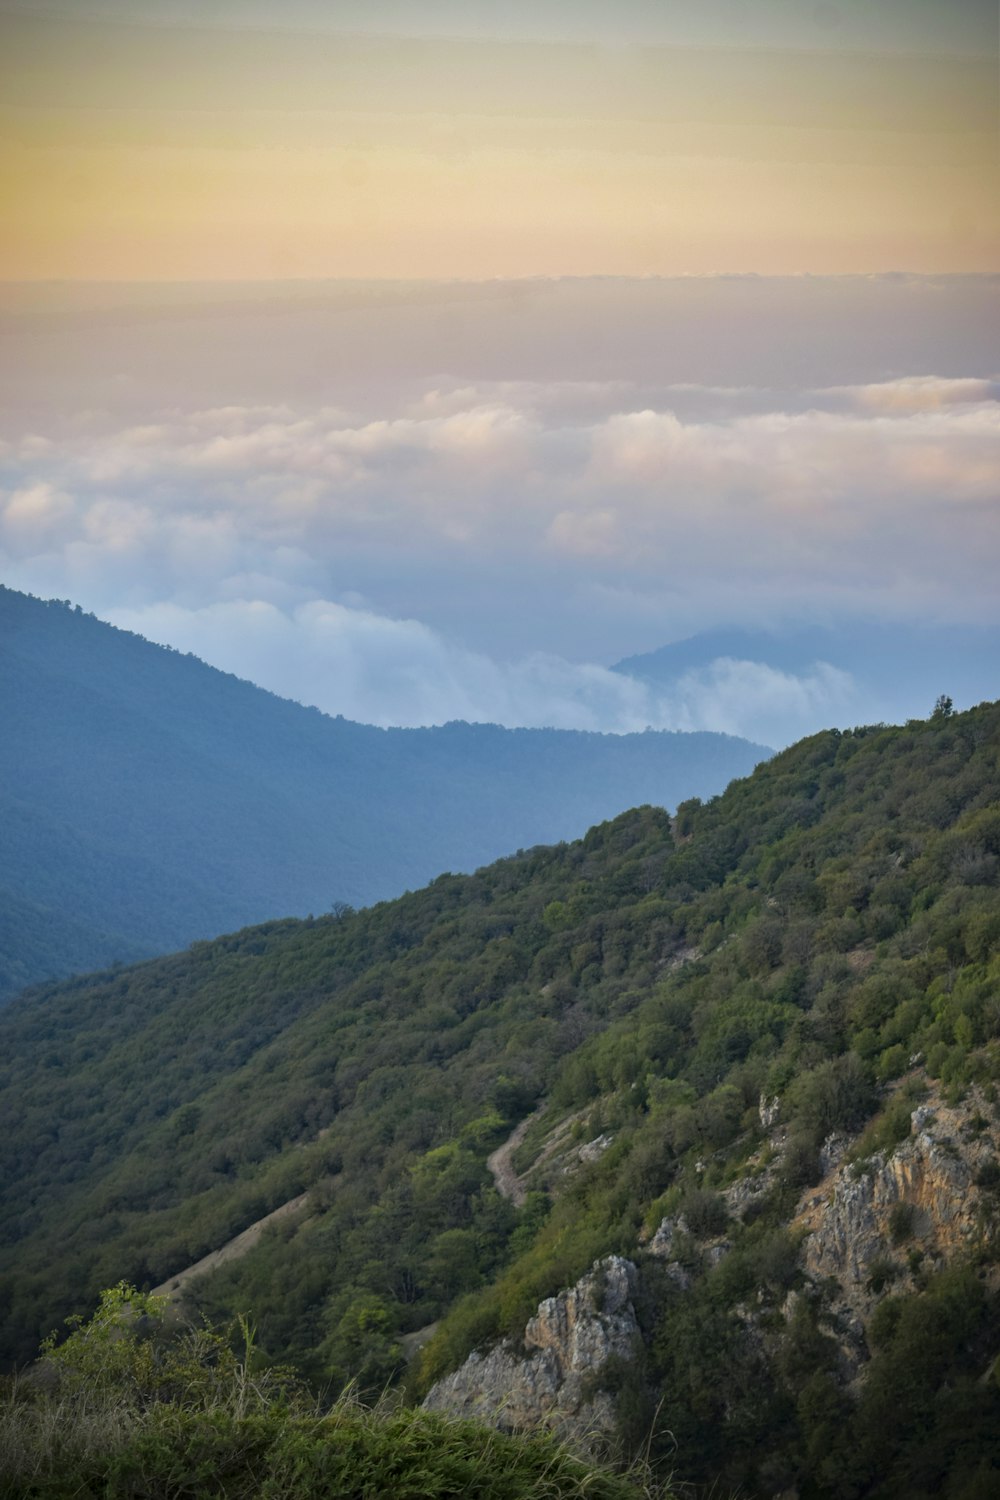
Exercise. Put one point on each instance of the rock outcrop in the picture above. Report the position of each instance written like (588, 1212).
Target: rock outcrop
(854, 1218)
(875, 1226)
(870, 1228)
(555, 1379)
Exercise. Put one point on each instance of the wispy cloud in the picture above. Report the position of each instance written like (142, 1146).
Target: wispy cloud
(916, 393)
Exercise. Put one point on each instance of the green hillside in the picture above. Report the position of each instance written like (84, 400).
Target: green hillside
(827, 931)
(147, 799)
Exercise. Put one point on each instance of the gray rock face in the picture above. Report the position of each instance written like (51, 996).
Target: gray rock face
(595, 1149)
(866, 1230)
(664, 1248)
(662, 1243)
(932, 1173)
(865, 1222)
(768, 1110)
(555, 1380)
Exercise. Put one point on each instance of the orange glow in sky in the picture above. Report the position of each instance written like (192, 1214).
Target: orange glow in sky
(141, 151)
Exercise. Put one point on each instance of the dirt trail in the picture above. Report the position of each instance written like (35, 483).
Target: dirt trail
(231, 1250)
(508, 1184)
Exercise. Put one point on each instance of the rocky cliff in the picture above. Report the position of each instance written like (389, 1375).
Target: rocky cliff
(555, 1378)
(880, 1224)
(874, 1225)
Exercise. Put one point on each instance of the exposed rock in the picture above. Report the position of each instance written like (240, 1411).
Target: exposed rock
(678, 1274)
(663, 1247)
(832, 1152)
(684, 955)
(768, 1110)
(176, 1286)
(859, 1244)
(500, 1165)
(739, 1195)
(595, 1149)
(410, 1343)
(555, 1380)
(869, 1224)
(662, 1243)
(560, 1155)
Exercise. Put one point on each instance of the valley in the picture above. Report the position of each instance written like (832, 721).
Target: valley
(148, 800)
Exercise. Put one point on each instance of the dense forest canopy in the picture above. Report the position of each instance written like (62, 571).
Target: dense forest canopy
(824, 929)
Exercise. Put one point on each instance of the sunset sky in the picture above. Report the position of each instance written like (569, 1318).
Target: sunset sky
(159, 139)
(422, 360)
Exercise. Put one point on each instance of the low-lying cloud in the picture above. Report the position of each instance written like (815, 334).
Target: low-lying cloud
(399, 672)
(484, 550)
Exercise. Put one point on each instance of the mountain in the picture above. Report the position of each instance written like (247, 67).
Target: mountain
(882, 672)
(687, 1131)
(147, 800)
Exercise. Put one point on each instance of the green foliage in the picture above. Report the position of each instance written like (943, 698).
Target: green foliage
(902, 1218)
(926, 1423)
(117, 1413)
(835, 1095)
(808, 935)
(112, 1350)
(132, 1353)
(704, 1212)
(891, 1125)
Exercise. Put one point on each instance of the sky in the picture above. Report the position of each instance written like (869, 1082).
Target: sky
(421, 362)
(159, 139)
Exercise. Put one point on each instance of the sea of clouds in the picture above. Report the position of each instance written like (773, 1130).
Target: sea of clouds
(485, 550)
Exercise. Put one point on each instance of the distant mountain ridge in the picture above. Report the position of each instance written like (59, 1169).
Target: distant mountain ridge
(147, 799)
(894, 671)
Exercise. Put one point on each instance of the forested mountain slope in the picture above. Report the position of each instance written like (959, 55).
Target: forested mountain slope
(147, 799)
(714, 1020)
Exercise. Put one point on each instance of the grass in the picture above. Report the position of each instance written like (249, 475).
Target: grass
(122, 1411)
(55, 1450)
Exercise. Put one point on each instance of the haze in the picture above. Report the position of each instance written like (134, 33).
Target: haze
(397, 363)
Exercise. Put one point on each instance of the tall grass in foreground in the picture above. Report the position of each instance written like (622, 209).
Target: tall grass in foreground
(120, 1409)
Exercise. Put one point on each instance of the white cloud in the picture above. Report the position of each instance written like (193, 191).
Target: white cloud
(486, 522)
(384, 671)
(763, 703)
(917, 393)
(31, 516)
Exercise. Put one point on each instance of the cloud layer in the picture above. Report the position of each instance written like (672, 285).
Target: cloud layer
(476, 549)
(390, 672)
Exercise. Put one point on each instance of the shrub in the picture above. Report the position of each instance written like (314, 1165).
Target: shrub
(882, 1272)
(988, 1176)
(704, 1212)
(892, 1062)
(888, 1128)
(121, 1414)
(834, 1096)
(800, 1166)
(901, 1221)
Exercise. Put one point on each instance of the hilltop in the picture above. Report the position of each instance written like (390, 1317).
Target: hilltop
(748, 1056)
